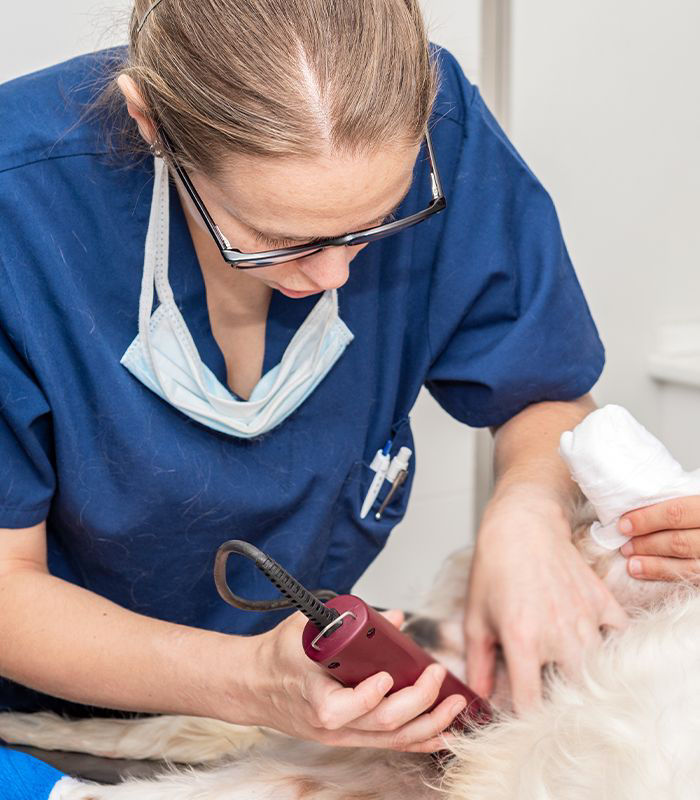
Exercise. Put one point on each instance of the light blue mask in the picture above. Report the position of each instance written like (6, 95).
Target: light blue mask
(164, 357)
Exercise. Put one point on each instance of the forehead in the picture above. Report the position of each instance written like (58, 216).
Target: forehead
(305, 197)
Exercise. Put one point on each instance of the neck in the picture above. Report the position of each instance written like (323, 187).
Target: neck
(230, 292)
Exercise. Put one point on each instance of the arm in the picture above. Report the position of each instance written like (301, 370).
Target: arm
(529, 590)
(69, 642)
(527, 457)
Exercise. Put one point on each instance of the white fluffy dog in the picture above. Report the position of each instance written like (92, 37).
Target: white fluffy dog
(628, 727)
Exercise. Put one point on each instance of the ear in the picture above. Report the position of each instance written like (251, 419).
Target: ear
(135, 106)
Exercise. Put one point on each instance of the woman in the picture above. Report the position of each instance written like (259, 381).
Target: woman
(252, 401)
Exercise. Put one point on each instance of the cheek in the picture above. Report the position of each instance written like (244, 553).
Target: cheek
(274, 274)
(355, 249)
(287, 274)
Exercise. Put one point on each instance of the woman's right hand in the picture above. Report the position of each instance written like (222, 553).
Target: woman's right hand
(290, 693)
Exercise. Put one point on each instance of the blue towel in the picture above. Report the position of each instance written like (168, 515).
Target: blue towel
(25, 778)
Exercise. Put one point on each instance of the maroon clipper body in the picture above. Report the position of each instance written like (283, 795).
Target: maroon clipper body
(361, 642)
(349, 638)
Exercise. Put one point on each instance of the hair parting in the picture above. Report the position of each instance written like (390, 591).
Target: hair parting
(276, 78)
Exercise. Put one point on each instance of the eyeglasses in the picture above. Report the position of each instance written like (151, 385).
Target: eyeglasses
(239, 260)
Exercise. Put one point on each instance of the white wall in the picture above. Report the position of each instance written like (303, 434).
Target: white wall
(78, 26)
(440, 515)
(605, 110)
(34, 35)
(456, 25)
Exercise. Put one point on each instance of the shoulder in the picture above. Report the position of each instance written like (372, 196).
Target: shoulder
(459, 100)
(47, 115)
(456, 93)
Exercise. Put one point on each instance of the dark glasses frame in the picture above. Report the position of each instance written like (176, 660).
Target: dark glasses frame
(239, 260)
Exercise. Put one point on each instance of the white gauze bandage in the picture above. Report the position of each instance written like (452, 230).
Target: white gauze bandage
(620, 466)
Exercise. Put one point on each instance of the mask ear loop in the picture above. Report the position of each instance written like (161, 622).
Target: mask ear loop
(155, 272)
(155, 230)
(156, 257)
(328, 304)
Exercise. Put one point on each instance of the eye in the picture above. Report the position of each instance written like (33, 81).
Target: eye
(271, 244)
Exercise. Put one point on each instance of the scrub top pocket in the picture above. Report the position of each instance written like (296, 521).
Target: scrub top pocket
(361, 476)
(355, 541)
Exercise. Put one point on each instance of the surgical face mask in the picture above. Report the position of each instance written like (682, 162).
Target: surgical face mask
(163, 356)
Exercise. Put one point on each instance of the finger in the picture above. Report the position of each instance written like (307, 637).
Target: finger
(427, 727)
(684, 512)
(656, 568)
(669, 543)
(614, 616)
(387, 741)
(395, 616)
(404, 705)
(574, 646)
(335, 706)
(525, 675)
(481, 664)
(434, 745)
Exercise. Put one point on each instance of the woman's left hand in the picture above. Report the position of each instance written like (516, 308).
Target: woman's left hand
(531, 592)
(665, 543)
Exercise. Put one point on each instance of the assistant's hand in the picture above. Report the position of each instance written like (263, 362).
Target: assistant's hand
(531, 591)
(290, 693)
(665, 542)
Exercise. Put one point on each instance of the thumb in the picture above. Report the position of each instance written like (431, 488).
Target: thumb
(395, 616)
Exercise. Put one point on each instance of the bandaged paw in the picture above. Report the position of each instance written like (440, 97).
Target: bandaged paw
(620, 467)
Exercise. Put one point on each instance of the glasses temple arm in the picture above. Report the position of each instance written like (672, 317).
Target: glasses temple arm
(224, 243)
(434, 174)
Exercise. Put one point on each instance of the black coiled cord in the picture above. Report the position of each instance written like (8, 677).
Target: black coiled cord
(310, 604)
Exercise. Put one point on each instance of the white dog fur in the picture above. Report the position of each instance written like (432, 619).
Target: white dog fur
(628, 728)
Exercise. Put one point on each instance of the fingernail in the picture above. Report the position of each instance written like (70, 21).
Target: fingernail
(625, 526)
(386, 683)
(635, 566)
(627, 549)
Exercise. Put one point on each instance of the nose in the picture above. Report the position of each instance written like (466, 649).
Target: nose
(329, 268)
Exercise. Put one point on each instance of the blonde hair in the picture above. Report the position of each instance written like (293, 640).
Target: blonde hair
(281, 77)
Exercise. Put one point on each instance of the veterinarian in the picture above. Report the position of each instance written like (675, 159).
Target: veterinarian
(175, 373)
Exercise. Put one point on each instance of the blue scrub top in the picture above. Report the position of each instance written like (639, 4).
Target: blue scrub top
(480, 304)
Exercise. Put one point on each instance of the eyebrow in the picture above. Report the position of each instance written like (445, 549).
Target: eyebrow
(283, 237)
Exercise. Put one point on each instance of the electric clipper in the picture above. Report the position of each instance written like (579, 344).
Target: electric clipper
(346, 636)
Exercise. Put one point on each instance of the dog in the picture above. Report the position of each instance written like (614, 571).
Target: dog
(626, 728)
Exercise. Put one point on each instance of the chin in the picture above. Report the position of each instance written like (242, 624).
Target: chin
(295, 293)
